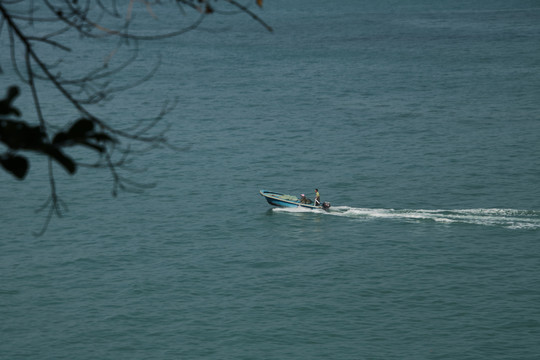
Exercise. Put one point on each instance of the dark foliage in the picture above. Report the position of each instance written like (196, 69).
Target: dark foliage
(88, 21)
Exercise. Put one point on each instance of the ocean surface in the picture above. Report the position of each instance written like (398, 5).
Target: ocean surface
(418, 120)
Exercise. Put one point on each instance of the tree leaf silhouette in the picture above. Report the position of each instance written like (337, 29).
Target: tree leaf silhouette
(18, 135)
(5, 104)
(82, 133)
(15, 164)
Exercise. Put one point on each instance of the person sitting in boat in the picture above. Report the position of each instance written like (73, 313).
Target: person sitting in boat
(304, 199)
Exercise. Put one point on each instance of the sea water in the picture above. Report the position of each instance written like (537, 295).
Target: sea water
(419, 122)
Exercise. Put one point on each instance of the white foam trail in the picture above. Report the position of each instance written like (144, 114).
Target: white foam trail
(297, 209)
(506, 218)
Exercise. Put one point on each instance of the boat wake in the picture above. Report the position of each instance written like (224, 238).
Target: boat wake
(506, 218)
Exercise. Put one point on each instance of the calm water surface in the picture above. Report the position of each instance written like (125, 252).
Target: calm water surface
(418, 122)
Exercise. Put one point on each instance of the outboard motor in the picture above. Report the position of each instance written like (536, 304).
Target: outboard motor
(326, 205)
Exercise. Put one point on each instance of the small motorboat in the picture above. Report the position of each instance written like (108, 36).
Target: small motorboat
(284, 200)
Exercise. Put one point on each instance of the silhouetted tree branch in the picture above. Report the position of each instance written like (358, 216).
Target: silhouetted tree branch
(32, 29)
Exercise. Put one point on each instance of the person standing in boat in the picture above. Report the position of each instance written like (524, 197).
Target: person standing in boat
(317, 197)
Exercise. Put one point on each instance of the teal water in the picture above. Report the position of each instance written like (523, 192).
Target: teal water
(417, 121)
